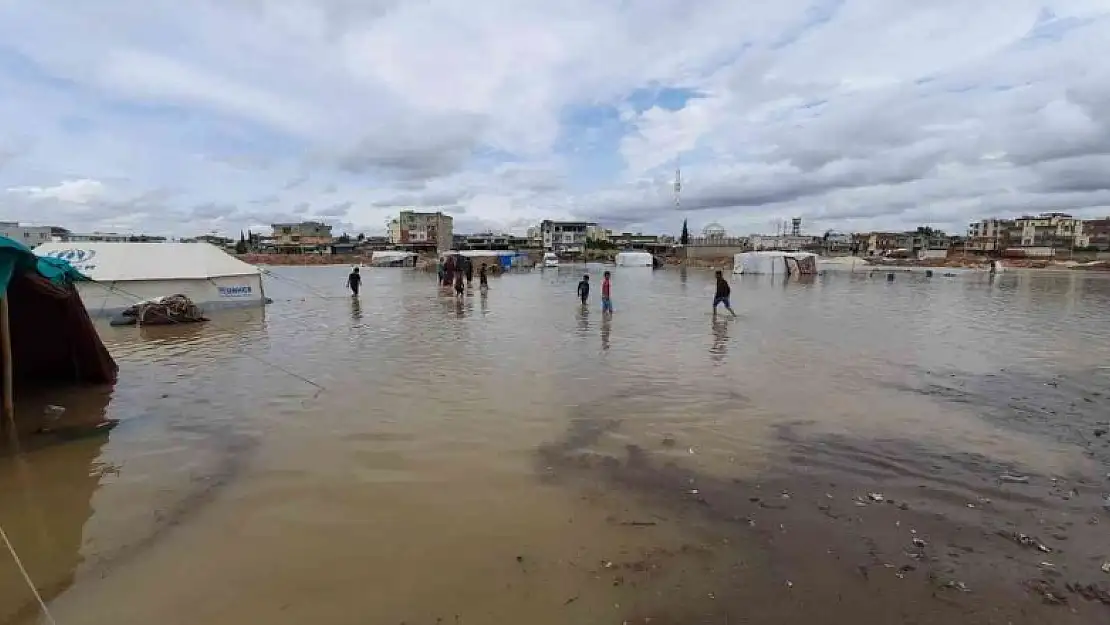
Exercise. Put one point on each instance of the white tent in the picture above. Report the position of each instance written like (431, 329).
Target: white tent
(127, 273)
(767, 262)
(634, 259)
(392, 258)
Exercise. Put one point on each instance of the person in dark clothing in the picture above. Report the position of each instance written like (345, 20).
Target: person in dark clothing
(722, 295)
(483, 280)
(584, 289)
(469, 267)
(354, 282)
(459, 286)
(449, 271)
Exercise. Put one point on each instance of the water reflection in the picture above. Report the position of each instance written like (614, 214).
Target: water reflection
(47, 485)
(483, 302)
(584, 318)
(356, 309)
(719, 348)
(606, 327)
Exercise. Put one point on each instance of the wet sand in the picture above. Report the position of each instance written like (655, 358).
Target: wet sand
(834, 455)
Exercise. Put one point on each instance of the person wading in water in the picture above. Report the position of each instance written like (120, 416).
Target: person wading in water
(354, 282)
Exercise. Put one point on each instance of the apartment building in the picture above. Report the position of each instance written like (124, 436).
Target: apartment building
(1097, 233)
(30, 236)
(306, 234)
(422, 230)
(1055, 230)
(565, 236)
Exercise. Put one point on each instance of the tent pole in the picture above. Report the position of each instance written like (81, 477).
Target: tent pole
(6, 341)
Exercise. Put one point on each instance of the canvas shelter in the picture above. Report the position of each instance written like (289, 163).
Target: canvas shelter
(123, 274)
(393, 258)
(635, 259)
(775, 263)
(46, 335)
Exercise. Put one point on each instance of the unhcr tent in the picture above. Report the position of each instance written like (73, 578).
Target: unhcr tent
(393, 258)
(635, 259)
(775, 263)
(46, 336)
(123, 274)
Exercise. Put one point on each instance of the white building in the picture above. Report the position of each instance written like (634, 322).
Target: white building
(31, 236)
(565, 236)
(1056, 230)
(779, 242)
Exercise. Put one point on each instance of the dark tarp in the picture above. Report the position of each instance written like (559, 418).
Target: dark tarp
(54, 341)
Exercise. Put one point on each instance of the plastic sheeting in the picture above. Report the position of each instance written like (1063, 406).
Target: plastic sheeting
(634, 259)
(774, 263)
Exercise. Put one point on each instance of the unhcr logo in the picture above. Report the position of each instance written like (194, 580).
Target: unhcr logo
(235, 291)
(73, 256)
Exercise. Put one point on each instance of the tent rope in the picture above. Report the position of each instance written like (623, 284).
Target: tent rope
(27, 578)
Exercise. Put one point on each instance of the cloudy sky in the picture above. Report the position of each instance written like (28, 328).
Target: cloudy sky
(181, 118)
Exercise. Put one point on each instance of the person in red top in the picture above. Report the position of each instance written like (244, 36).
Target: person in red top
(606, 301)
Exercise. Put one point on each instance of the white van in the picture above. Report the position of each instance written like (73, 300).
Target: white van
(550, 259)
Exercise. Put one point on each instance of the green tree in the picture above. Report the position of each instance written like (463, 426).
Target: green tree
(241, 246)
(685, 238)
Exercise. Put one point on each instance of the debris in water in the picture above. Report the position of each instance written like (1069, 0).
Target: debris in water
(693, 491)
(878, 497)
(571, 600)
(920, 544)
(789, 584)
(785, 495)
(691, 451)
(54, 411)
(1099, 433)
(957, 585)
(669, 441)
(1025, 540)
(1013, 479)
(1106, 567)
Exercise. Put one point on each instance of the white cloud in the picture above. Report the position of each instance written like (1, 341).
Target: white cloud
(183, 117)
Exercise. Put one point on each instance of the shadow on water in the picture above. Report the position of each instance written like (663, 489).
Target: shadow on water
(844, 530)
(583, 319)
(719, 349)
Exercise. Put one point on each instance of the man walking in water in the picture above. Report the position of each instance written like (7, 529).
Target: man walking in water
(354, 281)
(584, 289)
(606, 301)
(459, 287)
(469, 266)
(483, 280)
(722, 295)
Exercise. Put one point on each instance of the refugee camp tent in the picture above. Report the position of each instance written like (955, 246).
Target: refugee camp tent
(46, 336)
(775, 263)
(635, 259)
(393, 258)
(123, 274)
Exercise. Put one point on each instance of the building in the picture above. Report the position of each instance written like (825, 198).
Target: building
(1054, 230)
(565, 236)
(303, 236)
(1097, 233)
(714, 231)
(106, 237)
(989, 235)
(30, 236)
(432, 231)
(490, 241)
(637, 241)
(597, 234)
(786, 242)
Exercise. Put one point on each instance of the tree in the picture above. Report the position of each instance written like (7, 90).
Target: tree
(685, 238)
(361, 237)
(241, 246)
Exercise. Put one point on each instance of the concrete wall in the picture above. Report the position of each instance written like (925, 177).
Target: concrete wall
(705, 252)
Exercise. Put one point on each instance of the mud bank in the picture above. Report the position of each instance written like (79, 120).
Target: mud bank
(845, 530)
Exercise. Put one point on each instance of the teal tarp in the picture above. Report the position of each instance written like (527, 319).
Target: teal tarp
(15, 256)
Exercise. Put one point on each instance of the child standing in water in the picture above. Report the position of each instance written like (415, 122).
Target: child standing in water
(483, 281)
(459, 284)
(722, 294)
(584, 289)
(354, 281)
(606, 301)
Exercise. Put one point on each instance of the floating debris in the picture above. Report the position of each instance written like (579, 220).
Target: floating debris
(54, 411)
(1106, 567)
(789, 584)
(876, 497)
(1025, 541)
(1013, 479)
(957, 585)
(920, 544)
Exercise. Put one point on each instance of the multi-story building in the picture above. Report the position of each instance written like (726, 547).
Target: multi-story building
(989, 235)
(1097, 233)
(30, 236)
(565, 236)
(597, 234)
(109, 237)
(422, 230)
(637, 241)
(489, 241)
(1053, 230)
(306, 234)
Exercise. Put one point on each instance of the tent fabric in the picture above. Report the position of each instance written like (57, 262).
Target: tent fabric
(53, 338)
(774, 263)
(16, 257)
(114, 262)
(634, 259)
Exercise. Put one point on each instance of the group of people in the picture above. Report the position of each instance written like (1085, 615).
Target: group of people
(459, 271)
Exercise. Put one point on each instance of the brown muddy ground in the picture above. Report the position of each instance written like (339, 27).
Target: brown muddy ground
(846, 530)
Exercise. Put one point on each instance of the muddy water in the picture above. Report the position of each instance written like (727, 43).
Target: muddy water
(512, 458)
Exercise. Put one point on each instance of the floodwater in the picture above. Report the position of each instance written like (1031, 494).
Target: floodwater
(834, 454)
